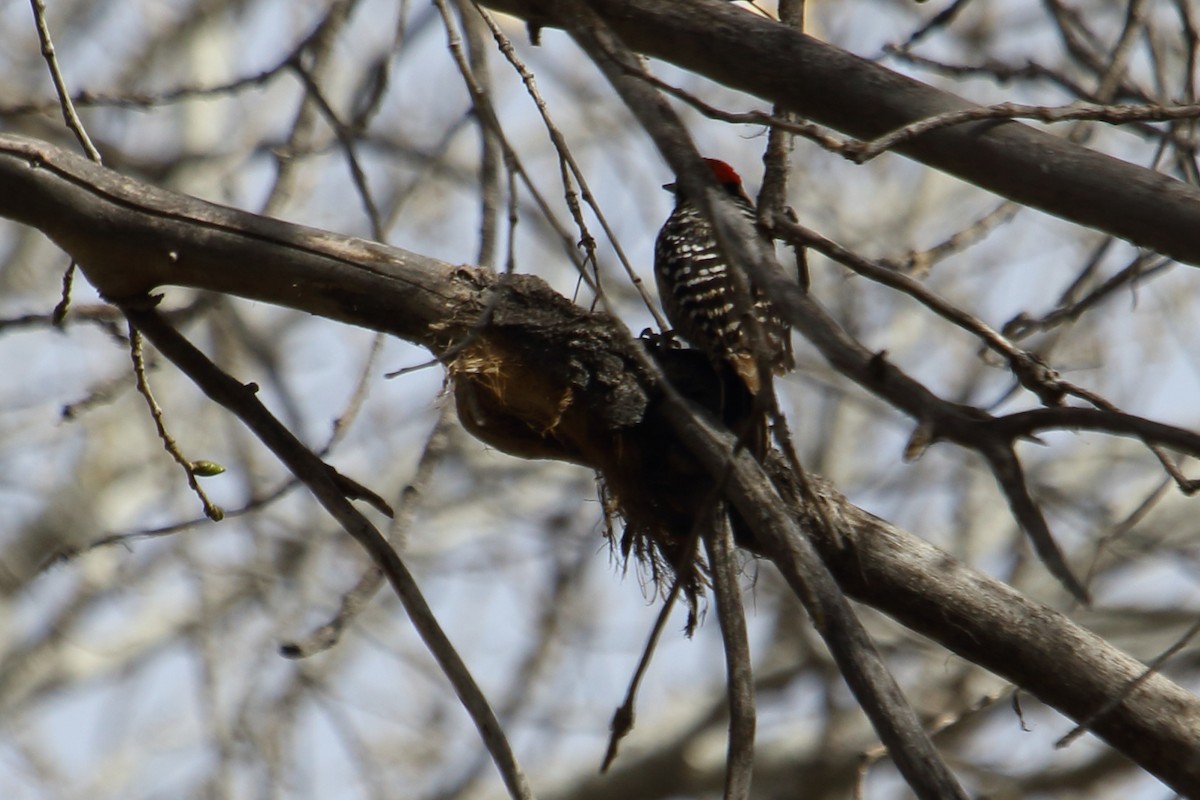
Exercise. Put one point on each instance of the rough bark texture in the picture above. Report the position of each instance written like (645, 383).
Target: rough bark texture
(1037, 648)
(546, 379)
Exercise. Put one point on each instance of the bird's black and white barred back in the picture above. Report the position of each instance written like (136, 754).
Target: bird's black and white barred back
(697, 291)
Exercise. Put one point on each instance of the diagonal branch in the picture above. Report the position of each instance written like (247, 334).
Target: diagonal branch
(1011, 479)
(123, 233)
(739, 679)
(859, 661)
(861, 98)
(316, 475)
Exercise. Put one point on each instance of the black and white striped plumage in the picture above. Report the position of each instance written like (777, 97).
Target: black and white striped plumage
(697, 291)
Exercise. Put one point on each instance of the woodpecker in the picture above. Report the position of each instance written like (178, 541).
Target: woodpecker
(697, 290)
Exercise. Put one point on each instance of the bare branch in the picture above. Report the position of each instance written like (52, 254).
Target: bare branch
(124, 232)
(832, 87)
(739, 675)
(316, 475)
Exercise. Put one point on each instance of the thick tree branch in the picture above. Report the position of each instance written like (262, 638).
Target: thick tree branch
(122, 232)
(859, 662)
(1156, 723)
(861, 98)
(134, 237)
(130, 238)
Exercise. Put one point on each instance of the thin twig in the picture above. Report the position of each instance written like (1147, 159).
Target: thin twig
(1114, 114)
(920, 262)
(74, 124)
(739, 768)
(1029, 369)
(623, 718)
(814, 133)
(558, 140)
(487, 115)
(490, 152)
(211, 510)
(136, 100)
(1153, 667)
(940, 20)
(345, 135)
(354, 601)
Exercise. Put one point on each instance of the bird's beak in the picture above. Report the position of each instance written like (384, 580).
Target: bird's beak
(670, 187)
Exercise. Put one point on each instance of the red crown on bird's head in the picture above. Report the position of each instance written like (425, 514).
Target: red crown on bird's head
(724, 173)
